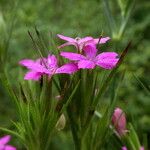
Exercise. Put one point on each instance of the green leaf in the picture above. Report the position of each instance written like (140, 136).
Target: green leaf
(111, 75)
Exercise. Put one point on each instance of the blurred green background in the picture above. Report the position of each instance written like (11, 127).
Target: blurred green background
(122, 20)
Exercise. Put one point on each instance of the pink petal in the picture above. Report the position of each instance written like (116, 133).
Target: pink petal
(2, 147)
(86, 64)
(52, 61)
(35, 66)
(72, 56)
(90, 50)
(101, 40)
(65, 38)
(41, 60)
(26, 62)
(4, 140)
(9, 147)
(85, 39)
(68, 44)
(107, 60)
(107, 55)
(32, 75)
(67, 68)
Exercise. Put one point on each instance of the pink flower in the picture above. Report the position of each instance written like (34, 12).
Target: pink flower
(3, 143)
(119, 121)
(106, 60)
(48, 66)
(79, 43)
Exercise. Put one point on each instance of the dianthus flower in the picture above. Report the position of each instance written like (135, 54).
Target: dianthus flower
(3, 143)
(90, 59)
(48, 66)
(79, 43)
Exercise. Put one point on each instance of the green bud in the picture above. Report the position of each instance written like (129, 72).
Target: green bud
(61, 122)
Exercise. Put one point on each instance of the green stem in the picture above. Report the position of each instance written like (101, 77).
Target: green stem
(74, 130)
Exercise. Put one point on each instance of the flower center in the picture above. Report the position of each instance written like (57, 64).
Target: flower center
(77, 38)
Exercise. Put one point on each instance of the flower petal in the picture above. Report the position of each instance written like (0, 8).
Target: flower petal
(2, 147)
(32, 75)
(26, 62)
(41, 60)
(35, 66)
(85, 39)
(90, 50)
(86, 64)
(105, 55)
(72, 56)
(101, 40)
(67, 68)
(4, 140)
(68, 44)
(107, 60)
(9, 147)
(52, 61)
(65, 38)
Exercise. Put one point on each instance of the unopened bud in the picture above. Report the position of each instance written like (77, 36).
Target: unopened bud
(61, 122)
(119, 121)
(124, 148)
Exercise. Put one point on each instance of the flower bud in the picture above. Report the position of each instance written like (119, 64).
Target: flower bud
(119, 121)
(142, 148)
(124, 148)
(61, 122)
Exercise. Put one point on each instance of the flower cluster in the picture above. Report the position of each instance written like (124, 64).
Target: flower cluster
(3, 143)
(87, 57)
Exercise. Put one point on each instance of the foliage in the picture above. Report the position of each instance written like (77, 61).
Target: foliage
(121, 20)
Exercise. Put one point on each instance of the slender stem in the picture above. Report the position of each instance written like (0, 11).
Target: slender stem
(74, 130)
